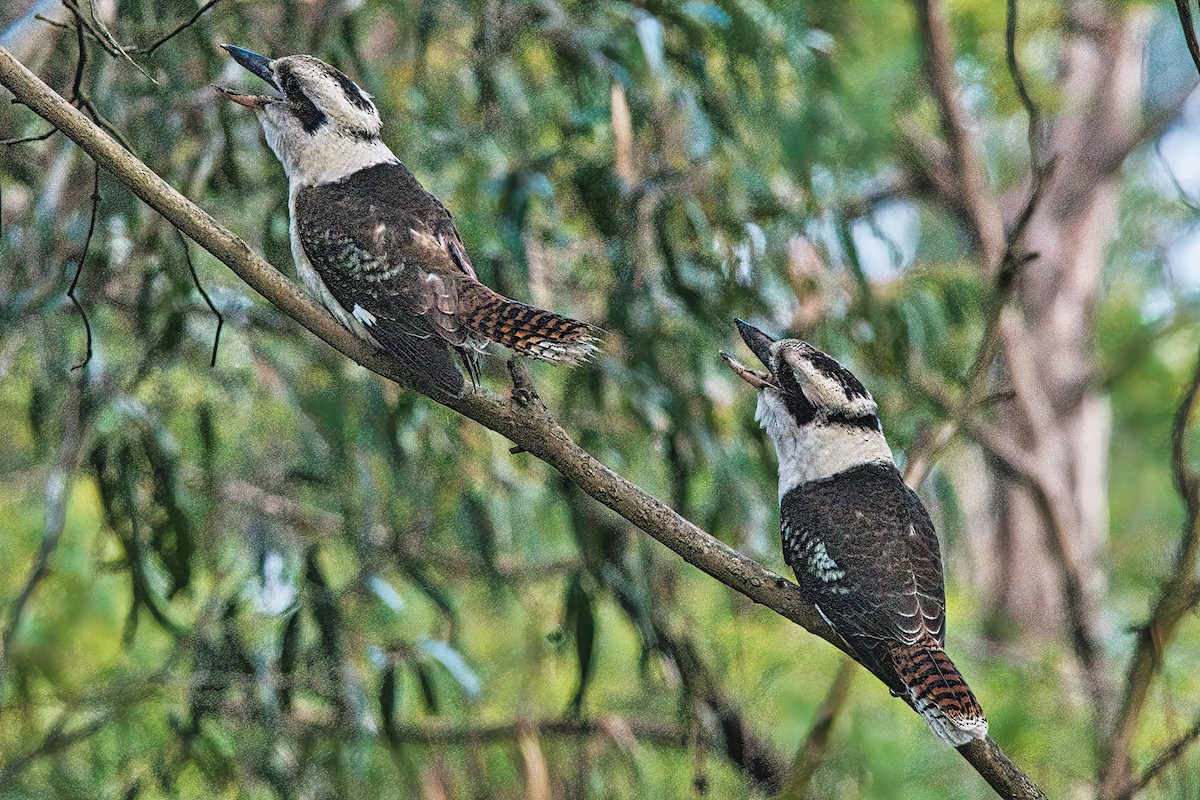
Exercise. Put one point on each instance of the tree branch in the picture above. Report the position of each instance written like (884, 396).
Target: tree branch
(1180, 594)
(1184, 7)
(938, 46)
(1169, 756)
(811, 753)
(530, 427)
(58, 488)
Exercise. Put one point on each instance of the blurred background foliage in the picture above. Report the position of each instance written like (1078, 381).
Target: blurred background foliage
(279, 576)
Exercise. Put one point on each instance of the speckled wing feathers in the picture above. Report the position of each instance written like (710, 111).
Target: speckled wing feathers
(368, 237)
(865, 552)
(380, 241)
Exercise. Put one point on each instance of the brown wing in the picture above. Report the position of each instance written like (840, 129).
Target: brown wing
(865, 552)
(381, 242)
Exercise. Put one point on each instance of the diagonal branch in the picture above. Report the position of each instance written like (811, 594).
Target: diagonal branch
(1168, 757)
(531, 427)
(811, 754)
(1179, 596)
(58, 487)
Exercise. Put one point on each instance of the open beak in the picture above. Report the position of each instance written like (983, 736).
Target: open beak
(260, 66)
(760, 344)
(758, 380)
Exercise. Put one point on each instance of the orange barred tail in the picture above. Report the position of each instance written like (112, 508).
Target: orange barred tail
(530, 331)
(939, 694)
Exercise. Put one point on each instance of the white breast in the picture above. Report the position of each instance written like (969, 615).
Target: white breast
(811, 452)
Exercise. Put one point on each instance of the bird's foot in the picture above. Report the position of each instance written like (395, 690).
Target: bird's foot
(523, 393)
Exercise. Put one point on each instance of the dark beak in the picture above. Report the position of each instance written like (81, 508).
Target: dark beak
(259, 65)
(758, 342)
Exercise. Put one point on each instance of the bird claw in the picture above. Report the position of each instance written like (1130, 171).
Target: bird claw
(523, 393)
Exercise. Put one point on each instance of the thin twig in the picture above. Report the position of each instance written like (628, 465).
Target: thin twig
(37, 137)
(1169, 756)
(1189, 30)
(811, 753)
(1032, 111)
(160, 42)
(121, 696)
(57, 740)
(1178, 597)
(187, 254)
(81, 59)
(53, 22)
(57, 493)
(531, 427)
(87, 243)
(96, 28)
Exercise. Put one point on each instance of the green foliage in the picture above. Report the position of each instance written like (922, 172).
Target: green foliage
(280, 577)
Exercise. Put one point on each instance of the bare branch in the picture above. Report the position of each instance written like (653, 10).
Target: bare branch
(938, 51)
(178, 30)
(187, 254)
(57, 493)
(530, 427)
(1179, 596)
(1036, 125)
(1189, 30)
(58, 739)
(811, 754)
(1168, 757)
(37, 137)
(87, 244)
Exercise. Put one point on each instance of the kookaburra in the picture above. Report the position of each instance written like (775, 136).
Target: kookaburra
(379, 251)
(863, 547)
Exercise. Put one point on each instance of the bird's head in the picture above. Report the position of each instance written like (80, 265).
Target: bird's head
(809, 385)
(819, 415)
(314, 113)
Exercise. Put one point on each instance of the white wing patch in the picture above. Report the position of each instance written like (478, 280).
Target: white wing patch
(821, 565)
(363, 316)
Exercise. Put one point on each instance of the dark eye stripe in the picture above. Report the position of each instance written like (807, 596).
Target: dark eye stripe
(352, 92)
(793, 398)
(289, 84)
(311, 118)
(830, 367)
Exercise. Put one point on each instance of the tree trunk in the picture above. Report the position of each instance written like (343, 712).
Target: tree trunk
(1051, 521)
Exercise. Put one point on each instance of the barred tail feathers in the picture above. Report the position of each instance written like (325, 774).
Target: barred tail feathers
(939, 693)
(528, 330)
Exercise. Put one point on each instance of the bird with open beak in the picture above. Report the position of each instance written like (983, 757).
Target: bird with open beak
(862, 546)
(382, 253)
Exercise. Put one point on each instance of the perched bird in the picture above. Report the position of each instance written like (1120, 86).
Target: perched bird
(379, 251)
(862, 545)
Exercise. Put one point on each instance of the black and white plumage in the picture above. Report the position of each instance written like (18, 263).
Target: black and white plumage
(862, 546)
(381, 252)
